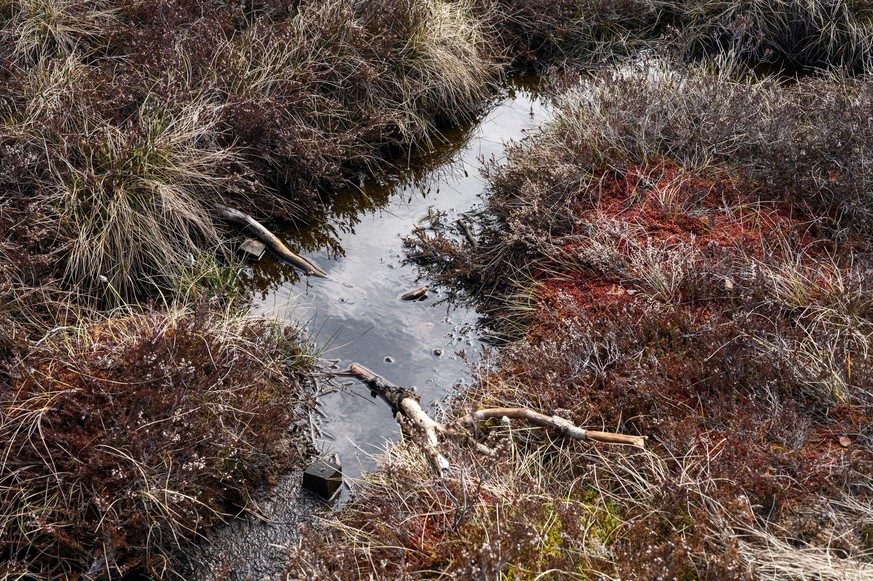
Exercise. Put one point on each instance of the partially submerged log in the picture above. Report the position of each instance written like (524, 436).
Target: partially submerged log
(269, 239)
(404, 401)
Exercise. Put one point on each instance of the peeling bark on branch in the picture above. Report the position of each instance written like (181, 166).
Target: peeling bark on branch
(563, 426)
(404, 401)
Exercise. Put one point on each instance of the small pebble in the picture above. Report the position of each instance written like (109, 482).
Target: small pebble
(389, 359)
(438, 352)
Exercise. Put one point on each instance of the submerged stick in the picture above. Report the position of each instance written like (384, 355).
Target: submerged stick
(565, 427)
(270, 240)
(468, 234)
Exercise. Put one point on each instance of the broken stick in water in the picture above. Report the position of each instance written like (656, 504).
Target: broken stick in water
(468, 234)
(404, 401)
(416, 294)
(269, 239)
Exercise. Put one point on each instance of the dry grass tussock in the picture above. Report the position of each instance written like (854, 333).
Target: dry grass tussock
(127, 122)
(538, 507)
(796, 33)
(538, 32)
(38, 31)
(132, 201)
(124, 439)
(679, 255)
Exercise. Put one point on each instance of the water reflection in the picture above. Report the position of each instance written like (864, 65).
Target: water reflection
(356, 315)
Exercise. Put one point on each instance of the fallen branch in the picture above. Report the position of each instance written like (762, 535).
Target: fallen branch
(404, 401)
(563, 426)
(270, 240)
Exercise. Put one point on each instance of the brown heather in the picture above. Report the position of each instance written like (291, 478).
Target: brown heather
(138, 405)
(124, 439)
(680, 255)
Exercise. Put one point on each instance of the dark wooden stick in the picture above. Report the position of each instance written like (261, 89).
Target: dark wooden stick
(468, 234)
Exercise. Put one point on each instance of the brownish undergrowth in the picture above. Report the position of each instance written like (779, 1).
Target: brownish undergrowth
(125, 439)
(679, 255)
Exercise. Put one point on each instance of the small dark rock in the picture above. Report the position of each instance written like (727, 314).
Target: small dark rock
(323, 477)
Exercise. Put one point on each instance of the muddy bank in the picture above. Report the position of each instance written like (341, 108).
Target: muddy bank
(254, 547)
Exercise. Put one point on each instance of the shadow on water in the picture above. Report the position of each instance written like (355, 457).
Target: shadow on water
(357, 316)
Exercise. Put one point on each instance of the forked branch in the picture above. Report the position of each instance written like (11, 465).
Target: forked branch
(404, 401)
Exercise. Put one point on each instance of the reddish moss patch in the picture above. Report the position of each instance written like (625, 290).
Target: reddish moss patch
(678, 205)
(563, 298)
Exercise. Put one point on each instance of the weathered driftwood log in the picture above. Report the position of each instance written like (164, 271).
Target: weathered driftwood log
(270, 240)
(404, 401)
(563, 426)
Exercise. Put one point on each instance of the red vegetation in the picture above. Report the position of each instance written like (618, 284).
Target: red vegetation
(662, 205)
(701, 383)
